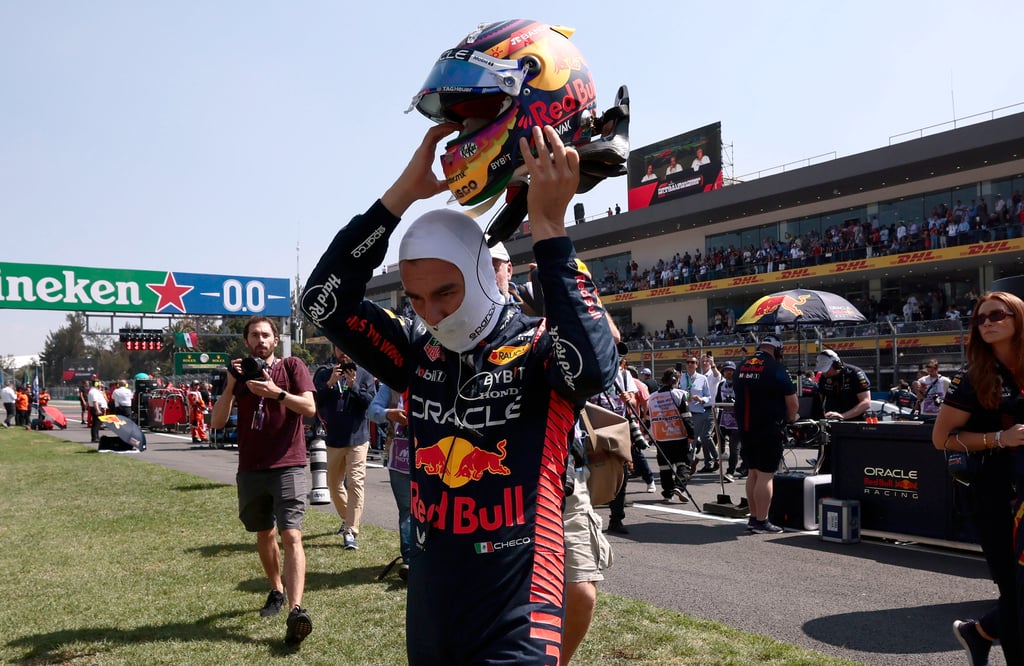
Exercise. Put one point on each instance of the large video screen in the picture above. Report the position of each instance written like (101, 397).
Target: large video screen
(678, 167)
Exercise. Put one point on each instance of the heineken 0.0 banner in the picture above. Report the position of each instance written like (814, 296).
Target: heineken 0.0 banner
(43, 287)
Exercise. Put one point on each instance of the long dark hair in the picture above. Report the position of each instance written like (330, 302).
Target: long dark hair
(981, 359)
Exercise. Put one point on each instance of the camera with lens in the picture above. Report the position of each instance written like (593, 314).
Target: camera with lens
(937, 399)
(636, 434)
(252, 368)
(345, 367)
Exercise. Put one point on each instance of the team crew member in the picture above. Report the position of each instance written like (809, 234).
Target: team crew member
(978, 416)
(196, 410)
(44, 400)
(97, 407)
(844, 388)
(765, 401)
(122, 399)
(493, 398)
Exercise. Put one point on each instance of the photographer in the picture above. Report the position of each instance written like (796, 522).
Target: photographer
(343, 392)
(672, 427)
(931, 389)
(272, 395)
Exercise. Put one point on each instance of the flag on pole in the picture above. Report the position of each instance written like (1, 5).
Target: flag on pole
(35, 387)
(189, 340)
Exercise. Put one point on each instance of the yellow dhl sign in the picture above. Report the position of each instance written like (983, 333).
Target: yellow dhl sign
(1014, 245)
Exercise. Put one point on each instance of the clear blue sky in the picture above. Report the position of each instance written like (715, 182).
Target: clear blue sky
(212, 137)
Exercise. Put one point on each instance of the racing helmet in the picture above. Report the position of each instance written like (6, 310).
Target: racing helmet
(499, 82)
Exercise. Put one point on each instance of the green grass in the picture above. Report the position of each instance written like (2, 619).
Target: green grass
(110, 560)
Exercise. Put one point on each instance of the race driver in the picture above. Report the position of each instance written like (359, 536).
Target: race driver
(493, 395)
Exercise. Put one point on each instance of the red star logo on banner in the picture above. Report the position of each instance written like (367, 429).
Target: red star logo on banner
(170, 294)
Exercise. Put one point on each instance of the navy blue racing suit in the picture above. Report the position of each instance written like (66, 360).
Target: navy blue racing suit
(490, 430)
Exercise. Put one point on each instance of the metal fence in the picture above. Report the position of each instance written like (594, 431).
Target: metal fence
(887, 350)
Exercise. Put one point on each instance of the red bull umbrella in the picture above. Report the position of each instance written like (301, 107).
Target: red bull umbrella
(801, 306)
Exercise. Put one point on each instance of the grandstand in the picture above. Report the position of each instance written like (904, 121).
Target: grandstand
(834, 212)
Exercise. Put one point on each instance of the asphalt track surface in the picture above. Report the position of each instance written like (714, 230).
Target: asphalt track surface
(876, 602)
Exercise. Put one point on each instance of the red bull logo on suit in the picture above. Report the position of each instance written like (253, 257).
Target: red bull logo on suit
(458, 462)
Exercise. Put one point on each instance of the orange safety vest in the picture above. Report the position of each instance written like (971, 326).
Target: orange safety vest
(666, 421)
(195, 400)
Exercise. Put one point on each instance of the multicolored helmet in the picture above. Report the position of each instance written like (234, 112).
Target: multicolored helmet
(499, 82)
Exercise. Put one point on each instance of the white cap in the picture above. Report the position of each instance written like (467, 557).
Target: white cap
(499, 252)
(825, 360)
(645, 371)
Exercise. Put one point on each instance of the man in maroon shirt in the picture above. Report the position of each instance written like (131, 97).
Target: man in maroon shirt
(271, 475)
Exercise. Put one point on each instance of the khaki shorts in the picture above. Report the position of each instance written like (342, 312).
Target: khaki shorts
(587, 551)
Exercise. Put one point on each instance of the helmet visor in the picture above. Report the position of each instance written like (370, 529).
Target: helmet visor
(462, 72)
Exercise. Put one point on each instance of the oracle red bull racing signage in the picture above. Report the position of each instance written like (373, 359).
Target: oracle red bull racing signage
(76, 288)
(891, 482)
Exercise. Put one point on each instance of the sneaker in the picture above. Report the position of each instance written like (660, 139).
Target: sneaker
(275, 602)
(966, 631)
(350, 541)
(767, 527)
(678, 492)
(728, 478)
(752, 524)
(341, 530)
(299, 626)
(616, 527)
(651, 488)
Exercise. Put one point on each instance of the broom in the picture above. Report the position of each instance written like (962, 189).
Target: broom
(723, 505)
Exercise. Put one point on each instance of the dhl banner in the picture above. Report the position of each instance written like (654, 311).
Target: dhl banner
(1012, 246)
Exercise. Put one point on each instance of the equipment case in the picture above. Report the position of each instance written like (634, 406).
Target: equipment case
(840, 520)
(796, 497)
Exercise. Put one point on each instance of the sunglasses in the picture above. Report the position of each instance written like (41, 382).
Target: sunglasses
(691, 363)
(994, 316)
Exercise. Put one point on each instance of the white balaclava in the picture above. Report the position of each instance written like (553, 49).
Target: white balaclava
(456, 238)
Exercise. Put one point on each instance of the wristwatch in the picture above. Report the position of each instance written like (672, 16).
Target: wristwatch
(281, 396)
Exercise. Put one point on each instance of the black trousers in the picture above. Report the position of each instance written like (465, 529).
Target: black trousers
(94, 431)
